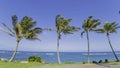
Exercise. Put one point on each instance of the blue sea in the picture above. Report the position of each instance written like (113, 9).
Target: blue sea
(65, 56)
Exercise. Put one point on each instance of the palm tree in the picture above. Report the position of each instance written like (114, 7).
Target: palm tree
(62, 26)
(107, 29)
(23, 29)
(89, 25)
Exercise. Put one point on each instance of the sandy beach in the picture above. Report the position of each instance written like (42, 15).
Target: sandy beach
(84, 66)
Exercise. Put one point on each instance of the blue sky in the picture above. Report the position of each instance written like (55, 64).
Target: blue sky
(44, 12)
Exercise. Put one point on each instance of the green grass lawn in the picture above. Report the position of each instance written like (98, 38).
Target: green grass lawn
(25, 65)
(28, 65)
(38, 65)
(18, 65)
(114, 63)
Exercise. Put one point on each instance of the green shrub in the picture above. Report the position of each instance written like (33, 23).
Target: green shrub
(34, 59)
(31, 59)
(38, 59)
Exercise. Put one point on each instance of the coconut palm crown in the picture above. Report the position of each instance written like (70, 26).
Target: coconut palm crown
(89, 24)
(109, 28)
(23, 29)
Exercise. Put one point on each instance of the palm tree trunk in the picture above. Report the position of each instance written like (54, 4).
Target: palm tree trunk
(88, 47)
(14, 54)
(112, 48)
(58, 55)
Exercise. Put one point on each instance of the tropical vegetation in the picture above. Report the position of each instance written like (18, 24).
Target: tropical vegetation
(107, 29)
(35, 59)
(26, 29)
(89, 25)
(62, 26)
(23, 29)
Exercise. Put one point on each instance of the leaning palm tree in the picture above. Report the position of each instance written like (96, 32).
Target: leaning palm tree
(89, 25)
(23, 29)
(107, 29)
(62, 26)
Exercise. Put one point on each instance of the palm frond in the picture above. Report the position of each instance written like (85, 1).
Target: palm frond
(56, 19)
(69, 20)
(11, 32)
(14, 20)
(100, 30)
(82, 33)
(31, 35)
(115, 25)
(96, 24)
(37, 30)
(90, 24)
(6, 32)
(48, 29)
(109, 28)
(62, 26)
(27, 23)
(90, 17)
(70, 30)
(34, 38)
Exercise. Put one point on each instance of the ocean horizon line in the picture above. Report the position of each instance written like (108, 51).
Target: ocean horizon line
(55, 51)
